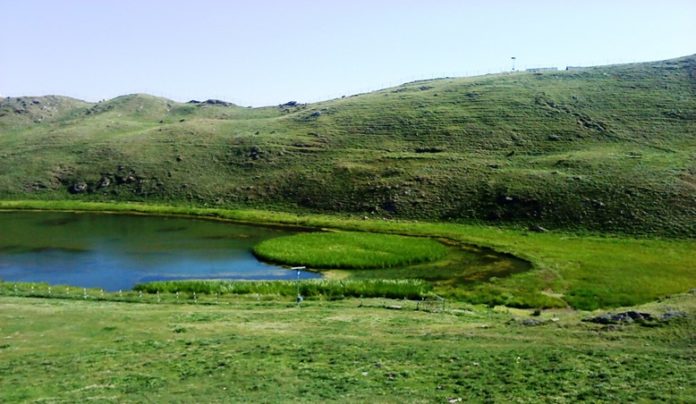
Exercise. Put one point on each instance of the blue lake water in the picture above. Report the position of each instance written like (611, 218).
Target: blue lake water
(115, 252)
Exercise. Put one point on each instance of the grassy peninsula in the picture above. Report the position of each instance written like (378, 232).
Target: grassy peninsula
(347, 250)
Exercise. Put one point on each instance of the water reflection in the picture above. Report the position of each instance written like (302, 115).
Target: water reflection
(117, 251)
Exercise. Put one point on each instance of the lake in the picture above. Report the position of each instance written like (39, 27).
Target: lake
(115, 251)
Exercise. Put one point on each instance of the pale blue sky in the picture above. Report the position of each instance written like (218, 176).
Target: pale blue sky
(267, 52)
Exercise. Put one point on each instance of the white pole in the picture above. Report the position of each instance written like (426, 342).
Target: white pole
(298, 269)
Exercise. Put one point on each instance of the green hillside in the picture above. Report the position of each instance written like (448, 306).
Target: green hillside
(602, 149)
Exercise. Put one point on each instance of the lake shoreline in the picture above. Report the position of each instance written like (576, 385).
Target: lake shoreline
(579, 270)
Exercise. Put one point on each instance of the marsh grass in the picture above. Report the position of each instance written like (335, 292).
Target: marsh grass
(393, 289)
(349, 250)
(209, 291)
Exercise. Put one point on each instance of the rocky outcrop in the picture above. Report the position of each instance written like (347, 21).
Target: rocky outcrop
(78, 187)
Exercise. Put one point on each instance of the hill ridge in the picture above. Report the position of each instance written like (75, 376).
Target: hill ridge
(606, 148)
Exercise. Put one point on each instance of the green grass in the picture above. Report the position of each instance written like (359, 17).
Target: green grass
(245, 350)
(211, 291)
(393, 289)
(584, 271)
(349, 250)
(602, 149)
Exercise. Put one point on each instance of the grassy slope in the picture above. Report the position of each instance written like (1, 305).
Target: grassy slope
(607, 149)
(58, 350)
(584, 271)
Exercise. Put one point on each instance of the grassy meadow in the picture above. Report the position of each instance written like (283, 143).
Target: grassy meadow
(335, 351)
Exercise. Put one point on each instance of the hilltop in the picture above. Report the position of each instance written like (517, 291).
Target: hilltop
(607, 148)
